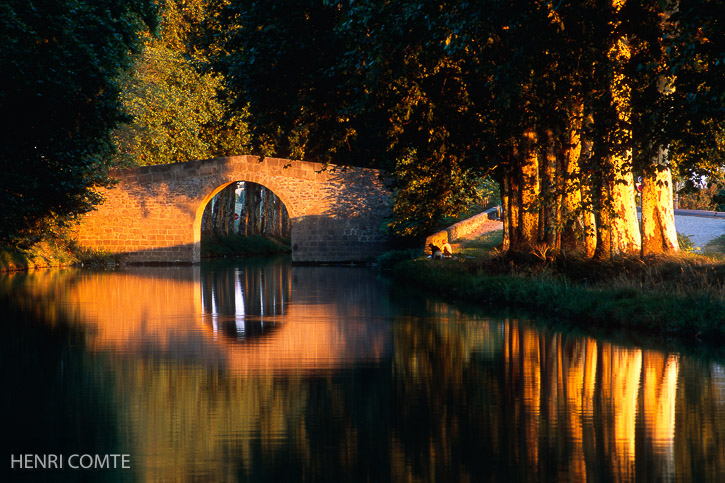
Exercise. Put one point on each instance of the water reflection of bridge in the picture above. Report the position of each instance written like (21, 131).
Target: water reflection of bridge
(232, 318)
(496, 394)
(243, 304)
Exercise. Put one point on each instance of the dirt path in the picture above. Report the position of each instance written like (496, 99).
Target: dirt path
(700, 229)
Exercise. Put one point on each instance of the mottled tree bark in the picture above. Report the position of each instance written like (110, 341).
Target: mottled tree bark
(625, 235)
(578, 224)
(658, 215)
(552, 190)
(530, 190)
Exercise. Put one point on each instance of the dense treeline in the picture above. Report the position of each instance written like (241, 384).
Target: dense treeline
(563, 102)
(60, 63)
(176, 103)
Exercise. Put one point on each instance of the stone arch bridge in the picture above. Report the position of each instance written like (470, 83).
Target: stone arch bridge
(154, 213)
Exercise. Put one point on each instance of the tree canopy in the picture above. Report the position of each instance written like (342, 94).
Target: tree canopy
(562, 101)
(59, 97)
(176, 103)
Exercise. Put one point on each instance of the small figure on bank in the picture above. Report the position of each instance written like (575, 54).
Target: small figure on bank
(435, 251)
(447, 250)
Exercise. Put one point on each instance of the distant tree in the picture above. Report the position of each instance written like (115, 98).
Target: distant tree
(60, 61)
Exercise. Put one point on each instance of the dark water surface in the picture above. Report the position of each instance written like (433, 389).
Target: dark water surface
(273, 372)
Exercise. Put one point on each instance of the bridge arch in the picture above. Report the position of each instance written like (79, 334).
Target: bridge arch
(198, 220)
(154, 213)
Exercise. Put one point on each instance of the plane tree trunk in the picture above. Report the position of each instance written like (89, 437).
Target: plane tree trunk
(658, 214)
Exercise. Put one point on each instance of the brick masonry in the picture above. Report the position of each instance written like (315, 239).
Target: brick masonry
(154, 213)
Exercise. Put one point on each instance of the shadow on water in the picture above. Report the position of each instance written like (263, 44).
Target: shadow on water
(57, 398)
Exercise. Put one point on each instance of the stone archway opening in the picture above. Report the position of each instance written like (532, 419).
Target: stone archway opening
(244, 218)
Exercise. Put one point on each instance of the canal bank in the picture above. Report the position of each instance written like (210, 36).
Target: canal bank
(665, 297)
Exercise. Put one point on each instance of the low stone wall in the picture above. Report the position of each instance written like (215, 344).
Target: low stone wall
(458, 230)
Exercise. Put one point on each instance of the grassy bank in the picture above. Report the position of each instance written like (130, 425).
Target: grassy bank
(670, 297)
(64, 253)
(55, 254)
(213, 246)
(46, 254)
(716, 248)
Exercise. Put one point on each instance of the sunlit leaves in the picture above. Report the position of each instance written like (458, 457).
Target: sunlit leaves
(177, 107)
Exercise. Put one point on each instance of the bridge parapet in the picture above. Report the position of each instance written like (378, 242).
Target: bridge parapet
(154, 213)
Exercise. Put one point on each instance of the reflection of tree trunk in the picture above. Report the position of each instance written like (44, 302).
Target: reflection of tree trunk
(658, 215)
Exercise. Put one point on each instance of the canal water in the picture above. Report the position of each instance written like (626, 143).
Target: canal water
(255, 371)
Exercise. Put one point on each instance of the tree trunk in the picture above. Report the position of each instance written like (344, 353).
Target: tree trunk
(658, 214)
(242, 227)
(231, 200)
(552, 190)
(268, 228)
(251, 208)
(509, 209)
(603, 248)
(625, 235)
(530, 190)
(578, 222)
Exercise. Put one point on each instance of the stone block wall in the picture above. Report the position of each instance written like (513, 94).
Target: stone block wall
(458, 230)
(154, 213)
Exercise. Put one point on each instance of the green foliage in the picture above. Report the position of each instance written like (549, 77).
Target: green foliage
(685, 242)
(718, 199)
(176, 104)
(97, 259)
(440, 93)
(391, 258)
(58, 97)
(694, 123)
